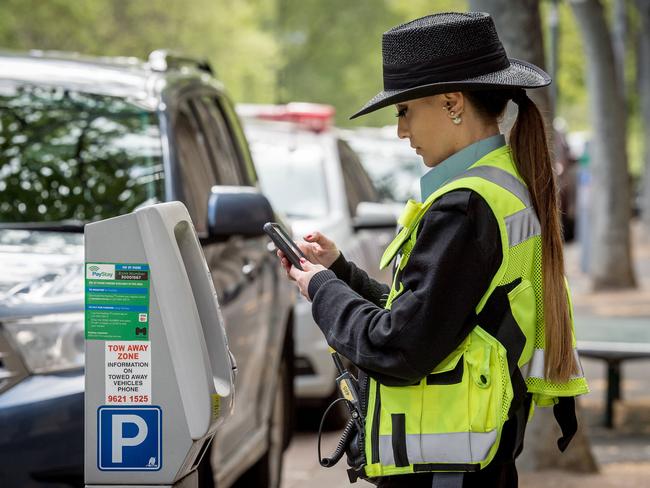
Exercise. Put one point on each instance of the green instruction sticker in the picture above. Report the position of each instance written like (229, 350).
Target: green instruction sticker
(117, 302)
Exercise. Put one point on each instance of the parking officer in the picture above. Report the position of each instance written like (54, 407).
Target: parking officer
(477, 327)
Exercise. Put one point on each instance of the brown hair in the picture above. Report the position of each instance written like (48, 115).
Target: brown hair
(528, 142)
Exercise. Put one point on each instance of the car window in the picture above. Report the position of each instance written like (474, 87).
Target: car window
(358, 186)
(243, 149)
(220, 143)
(197, 172)
(69, 155)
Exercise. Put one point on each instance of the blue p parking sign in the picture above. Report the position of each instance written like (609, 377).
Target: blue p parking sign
(129, 438)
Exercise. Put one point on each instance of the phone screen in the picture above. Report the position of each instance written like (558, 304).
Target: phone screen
(289, 242)
(284, 243)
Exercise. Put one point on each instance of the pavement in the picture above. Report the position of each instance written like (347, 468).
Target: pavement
(622, 453)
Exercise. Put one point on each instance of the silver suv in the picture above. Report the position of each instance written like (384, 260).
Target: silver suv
(83, 139)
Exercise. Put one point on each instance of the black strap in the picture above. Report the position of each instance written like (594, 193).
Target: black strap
(399, 439)
(497, 319)
(521, 420)
(565, 415)
(486, 59)
(464, 467)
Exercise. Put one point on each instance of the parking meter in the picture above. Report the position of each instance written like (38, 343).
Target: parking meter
(159, 374)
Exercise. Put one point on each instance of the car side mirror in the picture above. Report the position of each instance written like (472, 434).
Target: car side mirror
(377, 216)
(235, 210)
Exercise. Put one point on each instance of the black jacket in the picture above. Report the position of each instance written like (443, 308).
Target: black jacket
(453, 261)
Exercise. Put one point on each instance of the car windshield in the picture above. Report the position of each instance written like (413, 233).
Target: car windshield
(293, 178)
(68, 156)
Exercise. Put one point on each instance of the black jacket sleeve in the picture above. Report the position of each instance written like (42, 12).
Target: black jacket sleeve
(369, 288)
(456, 255)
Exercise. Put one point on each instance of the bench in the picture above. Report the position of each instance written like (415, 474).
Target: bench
(613, 340)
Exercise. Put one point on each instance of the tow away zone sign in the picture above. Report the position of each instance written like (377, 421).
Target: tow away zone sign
(128, 373)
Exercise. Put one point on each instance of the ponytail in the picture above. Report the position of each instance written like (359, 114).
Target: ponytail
(530, 151)
(533, 161)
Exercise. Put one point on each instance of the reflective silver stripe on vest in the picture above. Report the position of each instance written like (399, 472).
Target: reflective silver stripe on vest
(522, 225)
(455, 447)
(535, 367)
(502, 178)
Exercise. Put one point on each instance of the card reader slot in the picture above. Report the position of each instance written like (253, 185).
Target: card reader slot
(205, 298)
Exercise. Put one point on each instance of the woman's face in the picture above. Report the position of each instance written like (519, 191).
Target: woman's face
(427, 123)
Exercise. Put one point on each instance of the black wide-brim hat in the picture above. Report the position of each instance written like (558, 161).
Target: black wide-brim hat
(447, 52)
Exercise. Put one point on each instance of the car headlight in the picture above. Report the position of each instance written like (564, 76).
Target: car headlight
(49, 343)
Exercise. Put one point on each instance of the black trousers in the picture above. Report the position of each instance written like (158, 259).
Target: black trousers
(495, 475)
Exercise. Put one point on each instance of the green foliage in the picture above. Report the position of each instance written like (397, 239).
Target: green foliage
(232, 34)
(275, 50)
(332, 50)
(75, 156)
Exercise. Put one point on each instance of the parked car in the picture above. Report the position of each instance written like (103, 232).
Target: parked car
(313, 176)
(391, 162)
(84, 139)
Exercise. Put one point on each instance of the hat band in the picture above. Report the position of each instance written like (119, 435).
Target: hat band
(452, 68)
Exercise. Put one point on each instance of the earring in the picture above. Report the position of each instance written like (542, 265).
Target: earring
(456, 120)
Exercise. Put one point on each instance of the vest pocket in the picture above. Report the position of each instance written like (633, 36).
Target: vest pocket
(488, 384)
(524, 310)
(445, 396)
(450, 377)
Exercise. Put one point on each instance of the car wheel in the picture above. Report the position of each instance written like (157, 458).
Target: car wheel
(267, 472)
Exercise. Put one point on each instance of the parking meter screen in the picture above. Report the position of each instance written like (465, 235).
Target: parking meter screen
(284, 243)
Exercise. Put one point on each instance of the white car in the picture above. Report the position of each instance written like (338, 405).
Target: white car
(391, 163)
(312, 175)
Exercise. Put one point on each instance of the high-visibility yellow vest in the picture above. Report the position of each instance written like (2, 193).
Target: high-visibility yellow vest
(452, 419)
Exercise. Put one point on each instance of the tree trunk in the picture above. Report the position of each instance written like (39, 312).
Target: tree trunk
(643, 83)
(520, 30)
(611, 265)
(619, 36)
(519, 26)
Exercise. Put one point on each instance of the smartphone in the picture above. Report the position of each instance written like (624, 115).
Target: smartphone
(283, 242)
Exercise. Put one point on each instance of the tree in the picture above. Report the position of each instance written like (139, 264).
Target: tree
(643, 83)
(234, 35)
(611, 264)
(332, 60)
(332, 50)
(520, 30)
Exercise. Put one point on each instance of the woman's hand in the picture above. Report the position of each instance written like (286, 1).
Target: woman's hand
(301, 278)
(319, 249)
